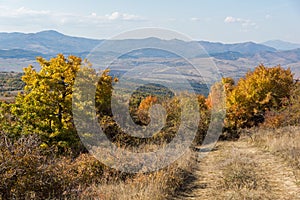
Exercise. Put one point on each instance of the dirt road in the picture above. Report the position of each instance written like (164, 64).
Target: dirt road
(240, 170)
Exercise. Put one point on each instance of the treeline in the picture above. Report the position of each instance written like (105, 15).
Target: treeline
(45, 105)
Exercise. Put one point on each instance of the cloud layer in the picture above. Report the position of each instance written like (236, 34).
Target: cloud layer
(243, 22)
(46, 16)
(246, 24)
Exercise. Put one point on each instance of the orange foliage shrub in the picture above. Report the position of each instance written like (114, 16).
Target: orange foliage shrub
(143, 109)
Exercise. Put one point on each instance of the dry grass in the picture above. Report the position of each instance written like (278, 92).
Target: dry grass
(233, 170)
(241, 179)
(241, 170)
(29, 173)
(156, 185)
(284, 142)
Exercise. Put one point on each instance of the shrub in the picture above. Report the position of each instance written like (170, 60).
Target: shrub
(29, 172)
(143, 110)
(289, 114)
(261, 90)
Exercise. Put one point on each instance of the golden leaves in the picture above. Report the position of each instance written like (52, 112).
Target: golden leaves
(261, 90)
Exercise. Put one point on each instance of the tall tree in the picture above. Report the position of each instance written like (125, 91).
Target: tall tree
(46, 104)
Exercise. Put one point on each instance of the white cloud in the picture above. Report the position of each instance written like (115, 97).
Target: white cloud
(21, 12)
(122, 16)
(246, 23)
(113, 16)
(230, 19)
(26, 13)
(195, 19)
(23, 19)
(94, 14)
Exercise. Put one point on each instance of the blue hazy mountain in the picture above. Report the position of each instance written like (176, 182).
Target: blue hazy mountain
(46, 42)
(243, 48)
(18, 50)
(52, 42)
(281, 45)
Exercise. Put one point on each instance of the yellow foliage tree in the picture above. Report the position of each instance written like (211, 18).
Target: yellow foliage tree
(261, 90)
(45, 106)
(104, 93)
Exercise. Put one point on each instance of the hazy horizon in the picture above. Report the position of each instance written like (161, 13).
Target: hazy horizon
(226, 22)
(149, 37)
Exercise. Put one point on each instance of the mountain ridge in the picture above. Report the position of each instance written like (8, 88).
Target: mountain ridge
(281, 45)
(46, 42)
(53, 42)
(17, 50)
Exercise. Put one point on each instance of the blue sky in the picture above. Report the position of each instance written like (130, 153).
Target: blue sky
(223, 21)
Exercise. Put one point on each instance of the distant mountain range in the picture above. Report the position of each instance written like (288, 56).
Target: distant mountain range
(20, 49)
(281, 45)
(46, 42)
(51, 42)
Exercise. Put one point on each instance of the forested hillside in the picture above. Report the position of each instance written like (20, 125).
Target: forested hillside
(42, 156)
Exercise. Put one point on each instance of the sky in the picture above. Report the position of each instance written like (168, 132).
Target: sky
(225, 21)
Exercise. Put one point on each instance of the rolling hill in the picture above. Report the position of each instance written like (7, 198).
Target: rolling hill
(17, 50)
(52, 42)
